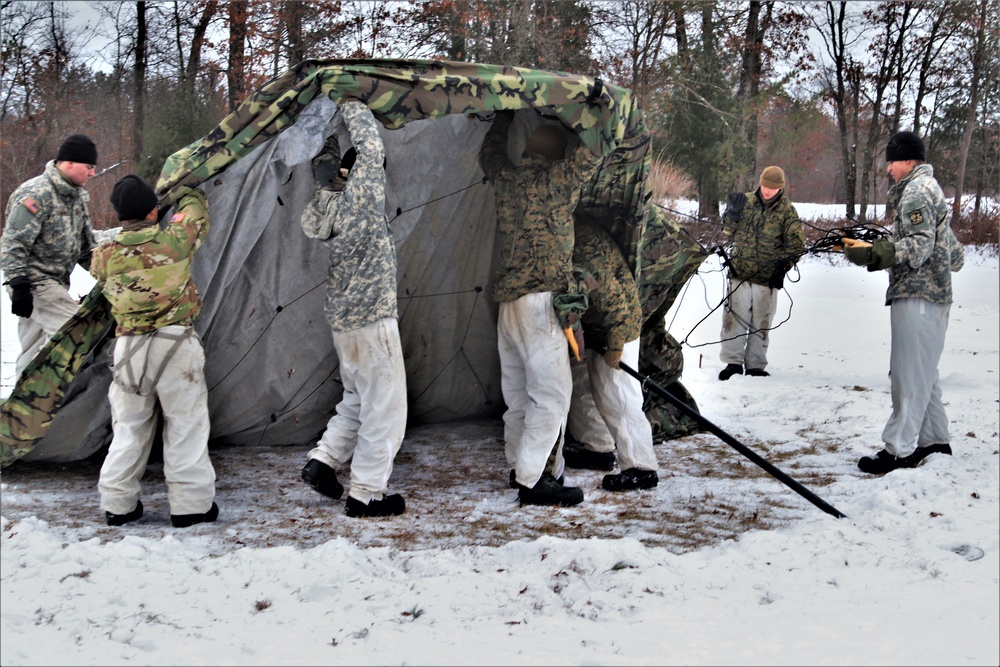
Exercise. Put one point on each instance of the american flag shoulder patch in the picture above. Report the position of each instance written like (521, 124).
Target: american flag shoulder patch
(178, 217)
(31, 205)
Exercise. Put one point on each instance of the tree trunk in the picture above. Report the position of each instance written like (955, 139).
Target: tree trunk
(139, 85)
(294, 10)
(750, 73)
(236, 73)
(970, 118)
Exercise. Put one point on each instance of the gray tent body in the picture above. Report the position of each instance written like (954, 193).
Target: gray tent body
(271, 368)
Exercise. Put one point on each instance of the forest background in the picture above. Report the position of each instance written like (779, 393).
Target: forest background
(726, 87)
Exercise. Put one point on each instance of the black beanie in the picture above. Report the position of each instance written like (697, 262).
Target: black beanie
(133, 198)
(77, 148)
(905, 146)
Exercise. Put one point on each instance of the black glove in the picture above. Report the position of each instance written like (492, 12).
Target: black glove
(777, 279)
(734, 209)
(22, 303)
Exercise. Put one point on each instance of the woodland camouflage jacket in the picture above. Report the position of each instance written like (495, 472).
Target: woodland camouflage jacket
(48, 229)
(768, 236)
(361, 285)
(926, 248)
(614, 311)
(535, 202)
(145, 272)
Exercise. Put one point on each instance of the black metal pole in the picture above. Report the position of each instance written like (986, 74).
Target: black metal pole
(736, 444)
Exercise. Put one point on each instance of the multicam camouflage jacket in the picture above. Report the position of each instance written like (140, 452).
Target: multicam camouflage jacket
(145, 272)
(768, 236)
(613, 313)
(535, 202)
(926, 248)
(361, 285)
(48, 229)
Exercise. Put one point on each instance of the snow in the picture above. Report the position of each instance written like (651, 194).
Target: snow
(909, 577)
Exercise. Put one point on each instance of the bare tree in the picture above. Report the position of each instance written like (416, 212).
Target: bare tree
(841, 80)
(978, 65)
(139, 82)
(236, 62)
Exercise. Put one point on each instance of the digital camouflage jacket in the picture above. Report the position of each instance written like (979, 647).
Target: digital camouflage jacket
(145, 272)
(48, 229)
(535, 202)
(767, 237)
(361, 284)
(926, 248)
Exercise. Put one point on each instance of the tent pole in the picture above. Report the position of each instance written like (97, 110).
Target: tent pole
(735, 444)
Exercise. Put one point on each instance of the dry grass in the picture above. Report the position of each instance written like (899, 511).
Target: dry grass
(667, 182)
(454, 478)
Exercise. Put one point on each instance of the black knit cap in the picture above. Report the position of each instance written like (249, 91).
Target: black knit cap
(77, 148)
(133, 198)
(905, 146)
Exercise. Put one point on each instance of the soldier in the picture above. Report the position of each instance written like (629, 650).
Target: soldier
(348, 214)
(920, 257)
(535, 200)
(48, 232)
(611, 318)
(767, 241)
(145, 273)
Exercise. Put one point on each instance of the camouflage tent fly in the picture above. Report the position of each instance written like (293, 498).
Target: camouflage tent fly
(271, 369)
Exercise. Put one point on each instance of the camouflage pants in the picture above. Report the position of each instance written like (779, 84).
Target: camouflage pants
(52, 307)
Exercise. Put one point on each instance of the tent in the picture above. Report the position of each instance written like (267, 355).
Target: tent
(271, 368)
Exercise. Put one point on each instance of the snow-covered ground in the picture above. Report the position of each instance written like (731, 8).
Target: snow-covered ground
(911, 577)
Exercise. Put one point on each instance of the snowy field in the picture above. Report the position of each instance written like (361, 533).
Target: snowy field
(911, 577)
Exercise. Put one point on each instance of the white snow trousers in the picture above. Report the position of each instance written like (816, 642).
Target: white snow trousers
(748, 308)
(53, 306)
(182, 395)
(618, 398)
(370, 420)
(537, 386)
(918, 418)
(585, 422)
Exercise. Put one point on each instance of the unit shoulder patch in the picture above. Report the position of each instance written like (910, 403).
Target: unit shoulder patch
(916, 217)
(177, 217)
(31, 205)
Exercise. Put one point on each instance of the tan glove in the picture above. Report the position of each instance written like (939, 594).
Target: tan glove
(613, 358)
(575, 339)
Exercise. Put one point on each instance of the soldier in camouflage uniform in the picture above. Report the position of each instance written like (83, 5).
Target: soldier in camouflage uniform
(48, 232)
(348, 214)
(767, 240)
(535, 200)
(611, 321)
(145, 274)
(920, 257)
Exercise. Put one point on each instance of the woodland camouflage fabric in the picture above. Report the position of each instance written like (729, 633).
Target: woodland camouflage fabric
(614, 309)
(661, 360)
(766, 237)
(606, 118)
(534, 207)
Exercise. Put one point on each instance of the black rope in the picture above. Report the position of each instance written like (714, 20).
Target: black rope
(401, 211)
